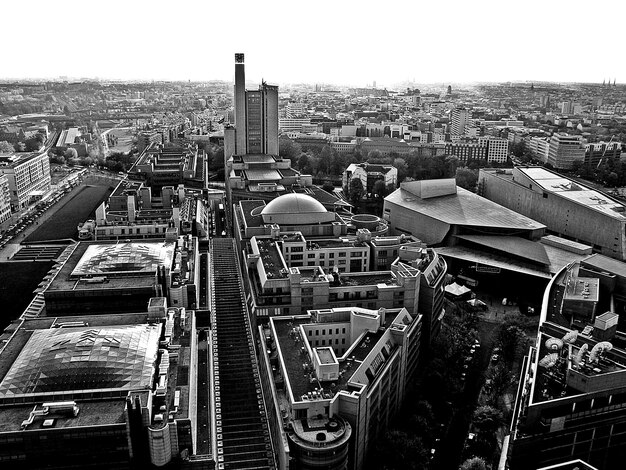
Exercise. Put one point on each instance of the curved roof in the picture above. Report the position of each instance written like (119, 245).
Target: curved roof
(293, 203)
(84, 358)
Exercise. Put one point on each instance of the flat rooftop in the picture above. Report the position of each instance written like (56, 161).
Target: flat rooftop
(123, 265)
(463, 208)
(575, 192)
(126, 187)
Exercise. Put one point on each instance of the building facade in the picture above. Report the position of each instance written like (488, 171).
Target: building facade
(28, 176)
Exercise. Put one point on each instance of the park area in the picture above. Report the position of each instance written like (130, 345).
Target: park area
(63, 223)
(17, 283)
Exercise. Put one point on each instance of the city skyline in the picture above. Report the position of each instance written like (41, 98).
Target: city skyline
(350, 44)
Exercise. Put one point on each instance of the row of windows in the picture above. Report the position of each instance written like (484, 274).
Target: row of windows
(330, 332)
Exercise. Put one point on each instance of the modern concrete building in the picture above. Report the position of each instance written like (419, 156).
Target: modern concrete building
(337, 377)
(572, 391)
(568, 209)
(114, 391)
(564, 150)
(28, 175)
(437, 211)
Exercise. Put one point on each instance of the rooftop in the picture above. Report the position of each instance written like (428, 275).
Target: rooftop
(124, 258)
(463, 208)
(84, 358)
(575, 192)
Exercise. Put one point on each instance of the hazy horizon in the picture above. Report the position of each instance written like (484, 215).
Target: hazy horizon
(352, 43)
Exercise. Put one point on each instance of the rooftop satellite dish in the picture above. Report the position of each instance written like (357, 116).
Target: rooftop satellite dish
(549, 360)
(581, 352)
(554, 344)
(570, 337)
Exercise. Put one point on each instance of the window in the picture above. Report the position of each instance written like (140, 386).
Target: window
(342, 254)
(296, 257)
(337, 331)
(324, 331)
(310, 332)
(343, 340)
(322, 255)
(311, 255)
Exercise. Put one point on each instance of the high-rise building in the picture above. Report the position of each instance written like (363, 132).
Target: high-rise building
(460, 119)
(256, 117)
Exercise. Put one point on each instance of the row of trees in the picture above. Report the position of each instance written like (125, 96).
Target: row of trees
(431, 402)
(326, 164)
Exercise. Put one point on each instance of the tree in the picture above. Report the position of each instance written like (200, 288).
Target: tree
(379, 189)
(287, 148)
(399, 450)
(402, 167)
(475, 463)
(466, 178)
(501, 379)
(6, 147)
(487, 419)
(356, 191)
(71, 154)
(511, 340)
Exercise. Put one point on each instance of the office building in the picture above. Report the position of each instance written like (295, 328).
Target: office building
(602, 152)
(460, 119)
(256, 117)
(564, 150)
(114, 391)
(28, 175)
(5, 198)
(497, 149)
(572, 391)
(337, 377)
(568, 209)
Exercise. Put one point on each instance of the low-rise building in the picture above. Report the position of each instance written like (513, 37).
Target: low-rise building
(369, 174)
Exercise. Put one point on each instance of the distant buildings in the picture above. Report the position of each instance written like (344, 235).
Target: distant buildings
(567, 208)
(28, 176)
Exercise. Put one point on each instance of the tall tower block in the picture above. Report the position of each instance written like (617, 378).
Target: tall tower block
(240, 104)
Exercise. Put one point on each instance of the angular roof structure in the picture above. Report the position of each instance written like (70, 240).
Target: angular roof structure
(85, 358)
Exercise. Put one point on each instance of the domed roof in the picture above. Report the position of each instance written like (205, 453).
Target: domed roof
(293, 203)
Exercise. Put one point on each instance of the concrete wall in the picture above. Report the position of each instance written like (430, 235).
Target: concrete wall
(560, 215)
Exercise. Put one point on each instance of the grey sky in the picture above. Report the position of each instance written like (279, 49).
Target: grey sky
(342, 42)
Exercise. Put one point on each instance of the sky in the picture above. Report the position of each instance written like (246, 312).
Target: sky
(343, 42)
